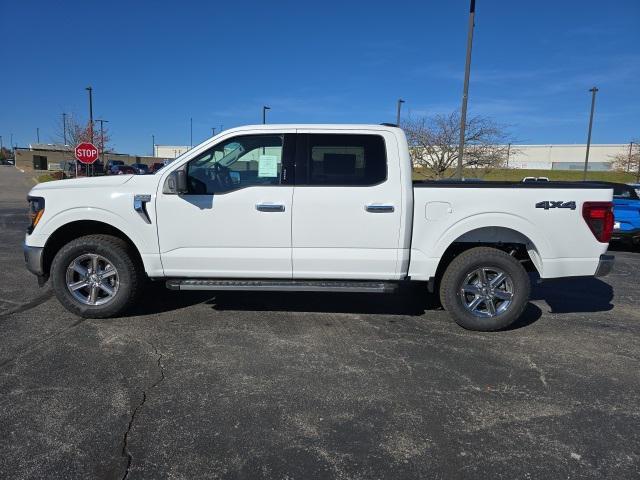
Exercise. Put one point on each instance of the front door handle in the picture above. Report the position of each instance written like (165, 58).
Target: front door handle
(270, 207)
(379, 208)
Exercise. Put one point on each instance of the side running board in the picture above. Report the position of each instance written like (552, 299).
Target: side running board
(284, 285)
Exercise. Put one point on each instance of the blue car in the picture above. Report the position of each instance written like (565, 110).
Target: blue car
(626, 213)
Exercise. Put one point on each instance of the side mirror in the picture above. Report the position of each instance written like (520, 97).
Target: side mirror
(176, 183)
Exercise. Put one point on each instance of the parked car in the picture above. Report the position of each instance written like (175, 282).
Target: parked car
(7, 161)
(626, 212)
(111, 164)
(535, 179)
(141, 168)
(636, 187)
(123, 170)
(155, 167)
(314, 208)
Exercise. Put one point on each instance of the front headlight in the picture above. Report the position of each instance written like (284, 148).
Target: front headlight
(36, 209)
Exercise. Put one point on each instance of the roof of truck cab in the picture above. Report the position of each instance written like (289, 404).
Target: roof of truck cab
(319, 126)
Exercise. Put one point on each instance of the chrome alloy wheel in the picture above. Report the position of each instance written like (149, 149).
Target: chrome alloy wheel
(92, 279)
(487, 292)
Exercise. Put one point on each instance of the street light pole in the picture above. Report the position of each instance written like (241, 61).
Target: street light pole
(400, 102)
(153, 145)
(90, 90)
(64, 127)
(593, 91)
(465, 91)
(264, 113)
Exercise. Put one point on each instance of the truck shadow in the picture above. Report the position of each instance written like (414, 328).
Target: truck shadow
(577, 295)
(574, 295)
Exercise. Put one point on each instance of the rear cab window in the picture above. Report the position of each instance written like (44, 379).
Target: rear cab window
(340, 159)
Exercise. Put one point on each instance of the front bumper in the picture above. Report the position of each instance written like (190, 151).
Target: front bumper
(33, 259)
(605, 265)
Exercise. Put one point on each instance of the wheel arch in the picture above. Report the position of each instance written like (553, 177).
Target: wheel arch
(79, 228)
(503, 238)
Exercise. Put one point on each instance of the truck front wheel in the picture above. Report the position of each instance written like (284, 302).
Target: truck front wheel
(485, 289)
(96, 276)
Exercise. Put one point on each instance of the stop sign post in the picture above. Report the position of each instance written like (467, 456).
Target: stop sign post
(86, 153)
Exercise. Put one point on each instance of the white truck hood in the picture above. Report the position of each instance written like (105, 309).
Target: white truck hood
(109, 181)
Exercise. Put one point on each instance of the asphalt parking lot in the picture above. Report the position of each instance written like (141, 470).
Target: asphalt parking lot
(301, 386)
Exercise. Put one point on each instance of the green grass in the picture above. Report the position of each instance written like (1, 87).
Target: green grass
(516, 175)
(48, 177)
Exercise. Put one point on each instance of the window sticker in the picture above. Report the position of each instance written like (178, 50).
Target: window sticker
(268, 166)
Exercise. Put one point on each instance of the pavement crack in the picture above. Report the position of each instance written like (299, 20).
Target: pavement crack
(535, 367)
(125, 440)
(35, 345)
(40, 299)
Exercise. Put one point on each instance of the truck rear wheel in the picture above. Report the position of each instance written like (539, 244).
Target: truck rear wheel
(485, 289)
(96, 276)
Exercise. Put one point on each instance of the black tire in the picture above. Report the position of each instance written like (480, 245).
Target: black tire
(130, 275)
(485, 259)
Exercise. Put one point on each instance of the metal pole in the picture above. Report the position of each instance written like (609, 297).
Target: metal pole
(400, 102)
(465, 91)
(64, 127)
(629, 161)
(593, 91)
(213, 131)
(264, 113)
(508, 153)
(153, 145)
(1, 145)
(38, 134)
(11, 142)
(90, 90)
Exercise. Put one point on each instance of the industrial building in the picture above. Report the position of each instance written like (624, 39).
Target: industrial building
(565, 157)
(534, 157)
(47, 156)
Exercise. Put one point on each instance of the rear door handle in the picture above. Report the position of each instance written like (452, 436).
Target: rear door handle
(270, 207)
(379, 208)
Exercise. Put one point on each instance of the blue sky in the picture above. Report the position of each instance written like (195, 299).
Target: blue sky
(154, 65)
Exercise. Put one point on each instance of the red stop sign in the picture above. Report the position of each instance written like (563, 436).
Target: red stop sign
(86, 152)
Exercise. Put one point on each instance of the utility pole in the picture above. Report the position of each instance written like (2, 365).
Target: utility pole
(102, 122)
(90, 90)
(508, 152)
(400, 102)
(153, 145)
(593, 91)
(64, 127)
(629, 161)
(465, 91)
(264, 113)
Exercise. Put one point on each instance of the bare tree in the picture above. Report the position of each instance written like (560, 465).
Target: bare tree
(628, 161)
(433, 143)
(77, 133)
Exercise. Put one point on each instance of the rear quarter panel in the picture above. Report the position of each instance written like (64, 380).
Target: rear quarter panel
(560, 242)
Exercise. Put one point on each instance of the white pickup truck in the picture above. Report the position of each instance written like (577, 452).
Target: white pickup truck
(313, 208)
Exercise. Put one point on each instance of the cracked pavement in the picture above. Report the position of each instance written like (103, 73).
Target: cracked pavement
(299, 386)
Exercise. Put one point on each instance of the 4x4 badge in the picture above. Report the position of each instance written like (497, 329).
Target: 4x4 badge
(552, 204)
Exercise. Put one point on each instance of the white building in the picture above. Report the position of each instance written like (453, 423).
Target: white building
(565, 157)
(533, 157)
(169, 151)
